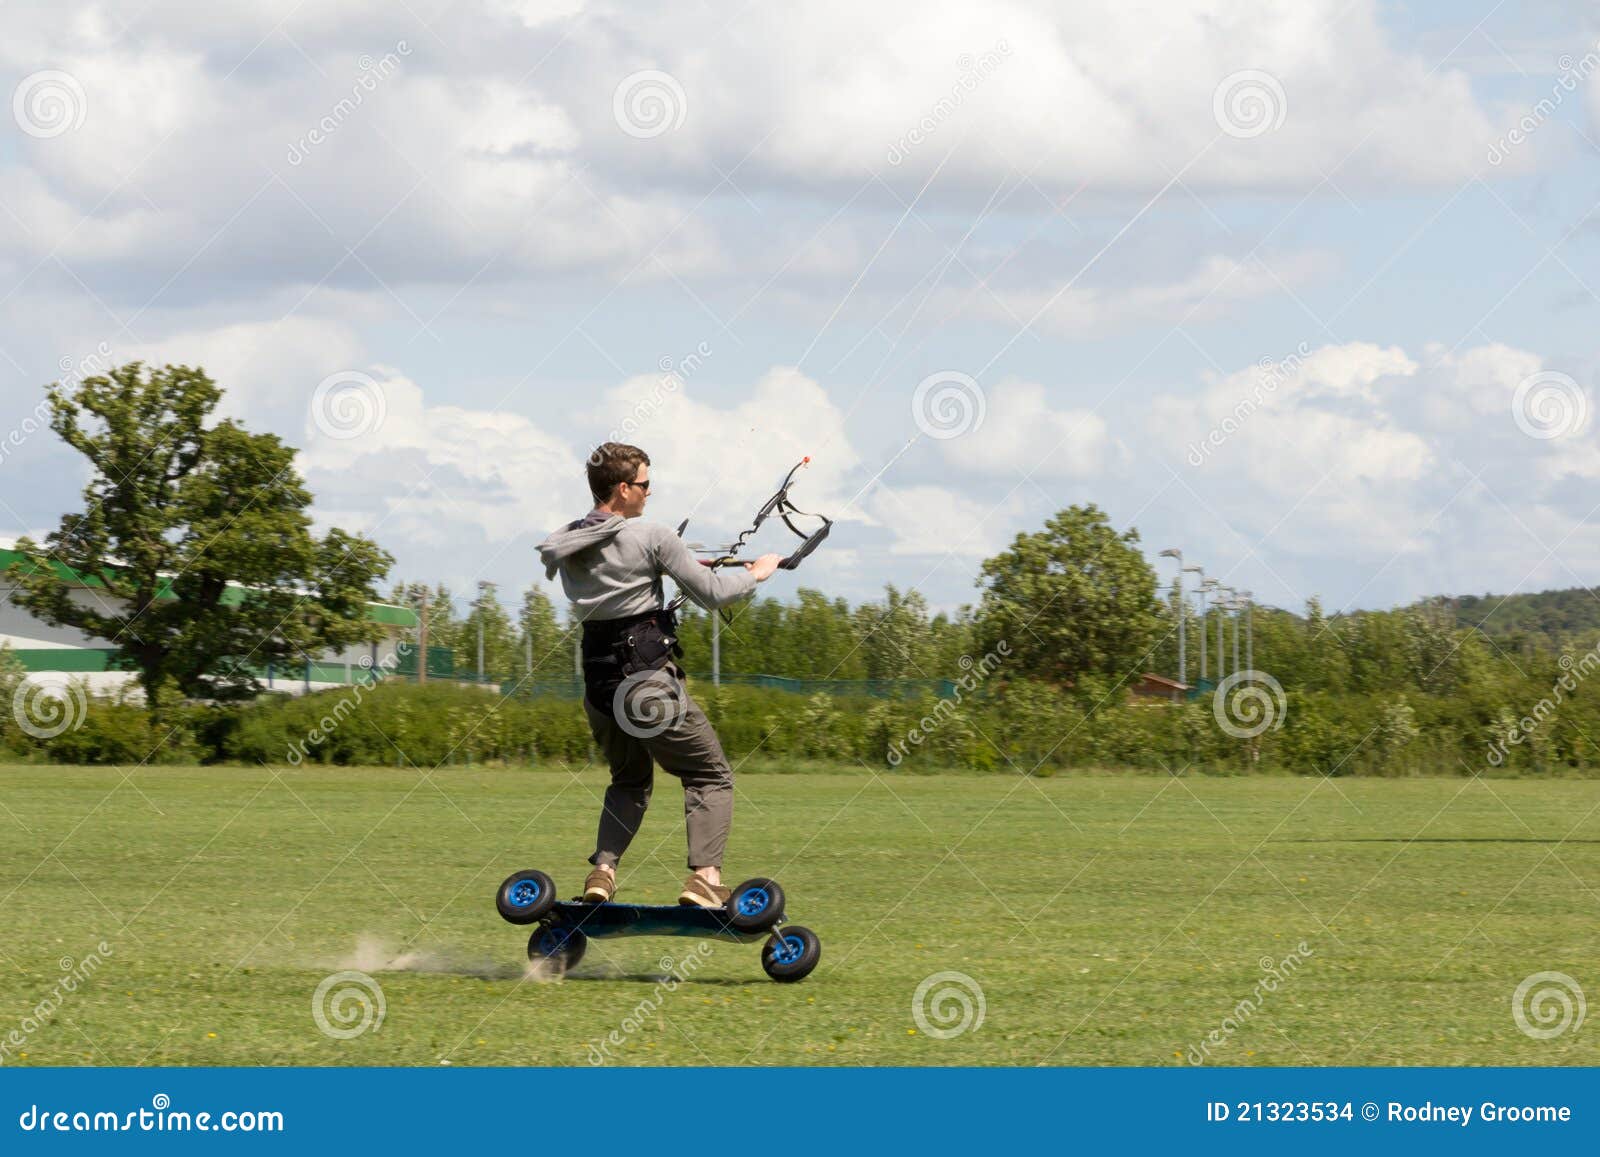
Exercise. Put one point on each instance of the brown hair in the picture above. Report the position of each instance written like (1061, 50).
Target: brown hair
(611, 463)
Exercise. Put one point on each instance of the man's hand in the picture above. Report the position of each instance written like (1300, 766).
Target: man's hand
(762, 569)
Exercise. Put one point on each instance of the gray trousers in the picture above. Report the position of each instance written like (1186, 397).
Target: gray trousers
(651, 720)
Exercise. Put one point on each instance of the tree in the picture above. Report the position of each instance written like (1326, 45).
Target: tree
(194, 541)
(499, 635)
(1074, 599)
(541, 635)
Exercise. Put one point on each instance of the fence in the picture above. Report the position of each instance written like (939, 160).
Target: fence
(441, 666)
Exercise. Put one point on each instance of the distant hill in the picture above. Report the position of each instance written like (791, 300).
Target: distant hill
(1551, 618)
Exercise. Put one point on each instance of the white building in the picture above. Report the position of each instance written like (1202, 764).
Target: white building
(56, 651)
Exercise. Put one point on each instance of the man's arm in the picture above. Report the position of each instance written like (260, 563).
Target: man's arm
(709, 587)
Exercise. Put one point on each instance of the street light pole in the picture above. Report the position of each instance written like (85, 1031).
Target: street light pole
(484, 586)
(1236, 602)
(1200, 585)
(1206, 587)
(1222, 619)
(1249, 631)
(1177, 606)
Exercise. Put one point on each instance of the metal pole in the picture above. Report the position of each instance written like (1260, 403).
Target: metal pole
(716, 649)
(1235, 603)
(1249, 632)
(422, 639)
(483, 599)
(1221, 620)
(1177, 606)
(1200, 586)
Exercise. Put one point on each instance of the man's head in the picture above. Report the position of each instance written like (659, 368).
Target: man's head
(619, 478)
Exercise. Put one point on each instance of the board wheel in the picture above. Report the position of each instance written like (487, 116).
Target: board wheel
(563, 947)
(525, 896)
(791, 954)
(755, 905)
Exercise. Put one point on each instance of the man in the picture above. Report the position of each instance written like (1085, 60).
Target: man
(611, 566)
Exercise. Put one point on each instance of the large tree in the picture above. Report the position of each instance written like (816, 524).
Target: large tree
(195, 544)
(1076, 598)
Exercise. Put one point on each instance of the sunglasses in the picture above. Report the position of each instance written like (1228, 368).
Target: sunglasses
(645, 485)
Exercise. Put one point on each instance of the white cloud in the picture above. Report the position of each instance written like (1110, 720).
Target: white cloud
(439, 475)
(1359, 451)
(1083, 93)
(940, 523)
(1022, 431)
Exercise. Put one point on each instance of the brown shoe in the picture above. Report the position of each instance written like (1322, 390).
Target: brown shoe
(700, 894)
(599, 887)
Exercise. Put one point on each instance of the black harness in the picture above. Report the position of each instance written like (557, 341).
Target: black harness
(614, 649)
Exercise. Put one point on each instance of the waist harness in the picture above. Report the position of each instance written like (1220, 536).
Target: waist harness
(614, 649)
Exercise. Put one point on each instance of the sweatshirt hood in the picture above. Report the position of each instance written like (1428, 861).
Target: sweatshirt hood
(592, 529)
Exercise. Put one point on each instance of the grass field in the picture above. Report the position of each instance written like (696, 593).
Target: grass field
(1106, 919)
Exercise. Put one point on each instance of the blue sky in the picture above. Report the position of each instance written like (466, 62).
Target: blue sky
(486, 259)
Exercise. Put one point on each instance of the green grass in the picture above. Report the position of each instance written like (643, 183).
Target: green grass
(1107, 919)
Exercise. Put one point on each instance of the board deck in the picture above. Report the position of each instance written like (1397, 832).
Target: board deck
(601, 921)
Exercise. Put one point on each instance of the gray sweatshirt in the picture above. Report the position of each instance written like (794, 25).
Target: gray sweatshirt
(611, 567)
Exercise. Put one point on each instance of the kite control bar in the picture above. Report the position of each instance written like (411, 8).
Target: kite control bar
(780, 505)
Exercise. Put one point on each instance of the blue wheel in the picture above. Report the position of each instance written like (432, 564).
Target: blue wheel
(755, 905)
(525, 896)
(561, 946)
(791, 954)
